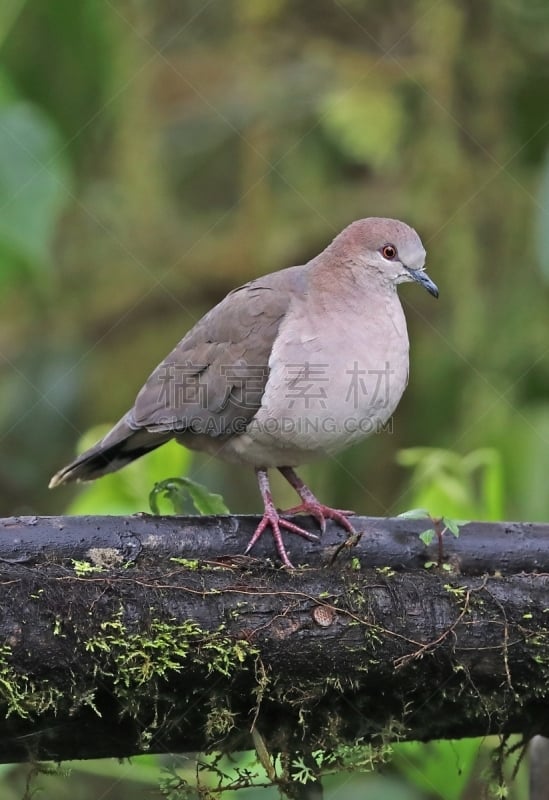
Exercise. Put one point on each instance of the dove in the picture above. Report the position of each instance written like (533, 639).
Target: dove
(289, 368)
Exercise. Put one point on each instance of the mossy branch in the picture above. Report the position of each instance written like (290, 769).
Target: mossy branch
(130, 634)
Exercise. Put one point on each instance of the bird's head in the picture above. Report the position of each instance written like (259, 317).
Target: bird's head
(386, 248)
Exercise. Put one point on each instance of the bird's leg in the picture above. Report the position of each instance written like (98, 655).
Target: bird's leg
(310, 505)
(271, 518)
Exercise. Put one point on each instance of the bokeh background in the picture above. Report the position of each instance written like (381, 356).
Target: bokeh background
(155, 155)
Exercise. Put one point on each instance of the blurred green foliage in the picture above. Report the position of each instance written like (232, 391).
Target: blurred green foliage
(127, 491)
(143, 487)
(459, 487)
(152, 156)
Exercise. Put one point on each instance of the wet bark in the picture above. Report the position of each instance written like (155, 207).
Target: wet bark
(121, 635)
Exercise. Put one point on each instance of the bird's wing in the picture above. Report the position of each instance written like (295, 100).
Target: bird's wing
(213, 380)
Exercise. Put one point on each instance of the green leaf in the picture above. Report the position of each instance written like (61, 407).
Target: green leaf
(206, 502)
(414, 513)
(427, 536)
(452, 525)
(179, 490)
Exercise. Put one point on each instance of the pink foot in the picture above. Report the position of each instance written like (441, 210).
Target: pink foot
(321, 513)
(310, 505)
(271, 518)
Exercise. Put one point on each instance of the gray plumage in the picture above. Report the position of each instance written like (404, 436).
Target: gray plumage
(221, 364)
(291, 367)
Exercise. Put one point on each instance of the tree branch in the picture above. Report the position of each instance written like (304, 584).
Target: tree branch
(130, 634)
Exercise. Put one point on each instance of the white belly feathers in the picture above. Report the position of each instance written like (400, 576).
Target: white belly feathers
(326, 388)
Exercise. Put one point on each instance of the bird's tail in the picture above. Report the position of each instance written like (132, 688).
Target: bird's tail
(120, 446)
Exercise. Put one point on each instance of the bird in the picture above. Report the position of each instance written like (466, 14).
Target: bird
(289, 368)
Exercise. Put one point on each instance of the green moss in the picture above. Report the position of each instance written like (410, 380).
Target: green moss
(83, 568)
(19, 694)
(188, 563)
(130, 660)
(387, 572)
(135, 658)
(220, 719)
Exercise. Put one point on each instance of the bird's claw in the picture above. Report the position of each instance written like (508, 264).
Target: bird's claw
(271, 518)
(321, 513)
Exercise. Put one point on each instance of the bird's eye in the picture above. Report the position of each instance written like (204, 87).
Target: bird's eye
(389, 252)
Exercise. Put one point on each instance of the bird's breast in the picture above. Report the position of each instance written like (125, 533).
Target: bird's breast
(333, 380)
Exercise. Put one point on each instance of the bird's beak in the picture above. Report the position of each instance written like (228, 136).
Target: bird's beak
(421, 276)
